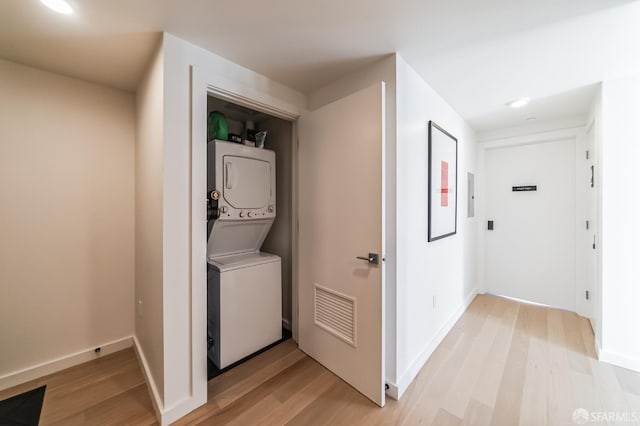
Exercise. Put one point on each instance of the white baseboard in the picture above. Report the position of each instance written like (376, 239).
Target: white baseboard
(617, 359)
(179, 410)
(165, 415)
(392, 392)
(58, 364)
(156, 400)
(397, 390)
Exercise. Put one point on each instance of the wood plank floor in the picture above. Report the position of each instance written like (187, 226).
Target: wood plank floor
(504, 363)
(107, 391)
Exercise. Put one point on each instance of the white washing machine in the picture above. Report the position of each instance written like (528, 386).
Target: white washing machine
(244, 285)
(244, 304)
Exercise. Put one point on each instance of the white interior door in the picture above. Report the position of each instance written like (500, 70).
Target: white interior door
(530, 253)
(341, 204)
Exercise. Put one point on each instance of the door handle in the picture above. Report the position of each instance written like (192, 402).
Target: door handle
(373, 258)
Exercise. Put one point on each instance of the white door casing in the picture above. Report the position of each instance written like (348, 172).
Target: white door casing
(203, 84)
(341, 216)
(590, 243)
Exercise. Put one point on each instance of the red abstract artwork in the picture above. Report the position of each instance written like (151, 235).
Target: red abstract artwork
(444, 179)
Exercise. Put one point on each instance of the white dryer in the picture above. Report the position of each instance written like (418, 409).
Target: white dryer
(244, 285)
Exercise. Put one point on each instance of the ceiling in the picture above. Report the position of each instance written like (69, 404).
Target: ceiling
(477, 55)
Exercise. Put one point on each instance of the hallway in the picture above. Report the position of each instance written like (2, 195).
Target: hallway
(503, 363)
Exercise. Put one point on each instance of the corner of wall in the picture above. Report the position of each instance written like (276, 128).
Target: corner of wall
(156, 399)
(620, 107)
(62, 363)
(424, 270)
(77, 139)
(148, 301)
(414, 368)
(189, 72)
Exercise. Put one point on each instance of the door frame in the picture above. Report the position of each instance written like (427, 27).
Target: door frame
(575, 132)
(593, 310)
(203, 84)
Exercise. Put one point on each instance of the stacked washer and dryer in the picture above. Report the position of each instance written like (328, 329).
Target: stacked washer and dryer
(244, 284)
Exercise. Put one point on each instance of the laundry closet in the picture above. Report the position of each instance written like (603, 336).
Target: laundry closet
(249, 232)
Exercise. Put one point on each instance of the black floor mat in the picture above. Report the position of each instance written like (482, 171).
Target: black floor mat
(23, 409)
(213, 371)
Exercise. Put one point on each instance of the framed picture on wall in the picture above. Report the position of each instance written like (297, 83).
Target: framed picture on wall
(443, 183)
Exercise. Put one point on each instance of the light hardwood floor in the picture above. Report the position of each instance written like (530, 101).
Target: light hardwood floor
(108, 390)
(504, 363)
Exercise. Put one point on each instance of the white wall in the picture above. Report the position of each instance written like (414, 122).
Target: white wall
(383, 70)
(148, 217)
(67, 228)
(184, 383)
(620, 224)
(444, 269)
(278, 241)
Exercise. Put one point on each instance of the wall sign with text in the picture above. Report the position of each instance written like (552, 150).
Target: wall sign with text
(524, 188)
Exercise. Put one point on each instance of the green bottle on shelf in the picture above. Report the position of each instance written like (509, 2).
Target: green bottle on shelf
(217, 126)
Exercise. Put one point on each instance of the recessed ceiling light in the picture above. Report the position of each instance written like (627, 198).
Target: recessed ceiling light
(518, 103)
(60, 6)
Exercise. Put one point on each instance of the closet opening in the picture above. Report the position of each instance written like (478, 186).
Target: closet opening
(250, 217)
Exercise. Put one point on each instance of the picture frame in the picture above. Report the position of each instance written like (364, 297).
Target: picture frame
(442, 183)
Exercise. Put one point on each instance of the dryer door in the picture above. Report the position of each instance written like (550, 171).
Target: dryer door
(246, 182)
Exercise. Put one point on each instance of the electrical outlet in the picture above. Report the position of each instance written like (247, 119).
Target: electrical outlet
(139, 307)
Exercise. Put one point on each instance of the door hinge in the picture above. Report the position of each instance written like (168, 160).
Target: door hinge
(587, 154)
(594, 242)
(586, 294)
(587, 224)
